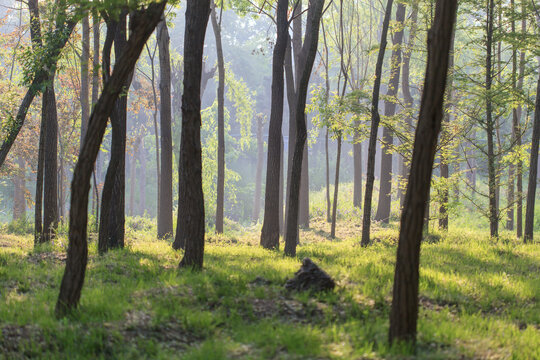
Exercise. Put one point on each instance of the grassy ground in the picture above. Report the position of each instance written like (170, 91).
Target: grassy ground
(479, 300)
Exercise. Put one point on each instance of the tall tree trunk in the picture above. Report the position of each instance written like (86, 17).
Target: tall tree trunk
(404, 313)
(375, 119)
(406, 90)
(533, 170)
(165, 221)
(221, 122)
(357, 160)
(336, 189)
(307, 58)
(50, 175)
(445, 172)
(143, 23)
(142, 179)
(38, 208)
(270, 228)
(385, 193)
(111, 229)
(95, 95)
(85, 79)
(258, 174)
(328, 206)
(519, 168)
(490, 127)
(190, 228)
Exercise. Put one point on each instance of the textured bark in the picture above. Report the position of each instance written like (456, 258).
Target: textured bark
(270, 228)
(165, 221)
(220, 188)
(490, 127)
(375, 119)
(533, 171)
(112, 221)
(258, 173)
(143, 23)
(336, 189)
(190, 228)
(404, 313)
(307, 58)
(385, 192)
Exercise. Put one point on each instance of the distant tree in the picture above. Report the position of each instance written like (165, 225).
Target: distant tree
(404, 313)
(190, 224)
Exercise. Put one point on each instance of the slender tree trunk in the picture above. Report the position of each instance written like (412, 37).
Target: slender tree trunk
(258, 174)
(221, 122)
(336, 189)
(404, 313)
(270, 228)
(357, 160)
(165, 221)
(95, 95)
(328, 206)
(85, 79)
(190, 228)
(490, 130)
(385, 193)
(519, 168)
(375, 119)
(307, 58)
(142, 180)
(533, 170)
(144, 22)
(38, 208)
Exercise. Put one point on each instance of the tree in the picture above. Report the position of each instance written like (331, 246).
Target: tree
(143, 23)
(307, 58)
(258, 174)
(404, 313)
(385, 192)
(270, 228)
(190, 224)
(375, 119)
(165, 220)
(216, 26)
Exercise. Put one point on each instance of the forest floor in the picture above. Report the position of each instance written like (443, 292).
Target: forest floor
(479, 299)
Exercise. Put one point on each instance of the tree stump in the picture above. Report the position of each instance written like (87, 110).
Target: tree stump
(310, 277)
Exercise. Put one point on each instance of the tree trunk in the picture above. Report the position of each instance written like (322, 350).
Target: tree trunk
(357, 160)
(95, 95)
(85, 80)
(490, 127)
(142, 180)
(375, 119)
(533, 170)
(258, 174)
(404, 313)
(385, 193)
(328, 206)
(165, 221)
(307, 58)
(190, 228)
(143, 23)
(132, 178)
(270, 228)
(519, 168)
(50, 175)
(221, 123)
(336, 189)
(111, 229)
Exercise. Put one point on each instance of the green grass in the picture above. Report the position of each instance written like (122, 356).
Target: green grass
(479, 299)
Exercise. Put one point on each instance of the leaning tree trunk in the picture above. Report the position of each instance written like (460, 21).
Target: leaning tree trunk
(336, 189)
(165, 221)
(143, 23)
(190, 228)
(385, 192)
(270, 228)
(404, 313)
(307, 58)
(533, 171)
(220, 188)
(375, 119)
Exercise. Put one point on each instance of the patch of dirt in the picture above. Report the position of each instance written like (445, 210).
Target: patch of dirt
(17, 342)
(37, 258)
(437, 305)
(169, 334)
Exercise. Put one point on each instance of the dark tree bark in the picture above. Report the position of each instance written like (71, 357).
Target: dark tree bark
(95, 94)
(112, 221)
(307, 58)
(533, 171)
(490, 127)
(336, 189)
(385, 192)
(270, 228)
(142, 24)
(190, 228)
(85, 79)
(62, 31)
(216, 26)
(404, 313)
(258, 174)
(165, 221)
(375, 119)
